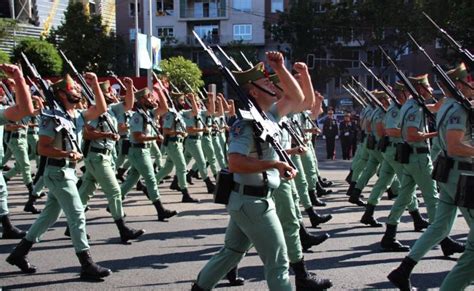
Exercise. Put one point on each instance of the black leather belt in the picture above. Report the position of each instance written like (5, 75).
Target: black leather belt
(61, 163)
(465, 166)
(32, 132)
(100, 151)
(17, 135)
(174, 138)
(206, 133)
(194, 136)
(255, 191)
(124, 136)
(141, 145)
(421, 150)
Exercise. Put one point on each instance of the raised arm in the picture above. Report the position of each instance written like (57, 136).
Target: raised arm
(129, 96)
(100, 106)
(24, 105)
(306, 86)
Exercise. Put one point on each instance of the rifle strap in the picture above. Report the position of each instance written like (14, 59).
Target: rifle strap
(258, 146)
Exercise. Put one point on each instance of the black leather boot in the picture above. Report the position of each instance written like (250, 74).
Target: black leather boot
(368, 217)
(419, 223)
(174, 184)
(18, 257)
(210, 186)
(314, 200)
(30, 205)
(351, 188)
(317, 219)
(89, 269)
(163, 213)
(120, 174)
(187, 198)
(305, 280)
(349, 177)
(320, 191)
(400, 277)
(234, 279)
(355, 197)
(390, 194)
(324, 182)
(450, 246)
(389, 242)
(10, 231)
(308, 240)
(196, 287)
(127, 233)
(143, 188)
(189, 177)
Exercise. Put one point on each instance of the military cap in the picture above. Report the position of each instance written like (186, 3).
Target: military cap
(399, 86)
(176, 95)
(67, 83)
(142, 93)
(458, 73)
(105, 86)
(420, 80)
(380, 94)
(253, 74)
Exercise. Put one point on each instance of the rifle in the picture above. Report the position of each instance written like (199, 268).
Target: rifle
(8, 94)
(264, 128)
(383, 85)
(449, 84)
(176, 89)
(409, 86)
(246, 60)
(148, 119)
(355, 93)
(354, 96)
(229, 59)
(36, 88)
(87, 92)
(369, 95)
(62, 124)
(466, 55)
(294, 135)
(194, 92)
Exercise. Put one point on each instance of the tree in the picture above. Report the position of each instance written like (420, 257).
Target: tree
(4, 59)
(6, 27)
(178, 69)
(42, 54)
(86, 42)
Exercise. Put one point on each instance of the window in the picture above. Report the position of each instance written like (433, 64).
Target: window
(131, 9)
(242, 5)
(208, 33)
(165, 32)
(370, 82)
(277, 5)
(164, 7)
(242, 31)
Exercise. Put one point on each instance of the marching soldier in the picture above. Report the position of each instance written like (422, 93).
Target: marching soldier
(21, 109)
(416, 169)
(98, 147)
(139, 153)
(62, 155)
(456, 144)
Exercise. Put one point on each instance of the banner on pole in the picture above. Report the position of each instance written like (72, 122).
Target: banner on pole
(143, 56)
(156, 53)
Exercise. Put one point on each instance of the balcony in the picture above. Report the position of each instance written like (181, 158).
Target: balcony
(216, 39)
(200, 14)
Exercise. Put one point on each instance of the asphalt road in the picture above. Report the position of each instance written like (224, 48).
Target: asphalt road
(170, 255)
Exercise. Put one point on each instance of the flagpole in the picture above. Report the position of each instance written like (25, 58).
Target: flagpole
(137, 61)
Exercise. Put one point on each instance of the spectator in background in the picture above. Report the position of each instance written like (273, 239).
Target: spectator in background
(347, 135)
(330, 131)
(357, 133)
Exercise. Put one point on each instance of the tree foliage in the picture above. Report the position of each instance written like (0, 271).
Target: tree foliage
(6, 27)
(40, 53)
(324, 30)
(4, 59)
(87, 43)
(179, 69)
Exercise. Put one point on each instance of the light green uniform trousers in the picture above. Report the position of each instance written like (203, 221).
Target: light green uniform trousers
(32, 142)
(375, 158)
(99, 171)
(63, 194)
(175, 157)
(253, 222)
(209, 154)
(416, 172)
(193, 150)
(286, 211)
(156, 154)
(3, 196)
(121, 161)
(296, 201)
(19, 149)
(140, 165)
(463, 273)
(390, 171)
(222, 142)
(359, 161)
(219, 151)
(309, 166)
(300, 182)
